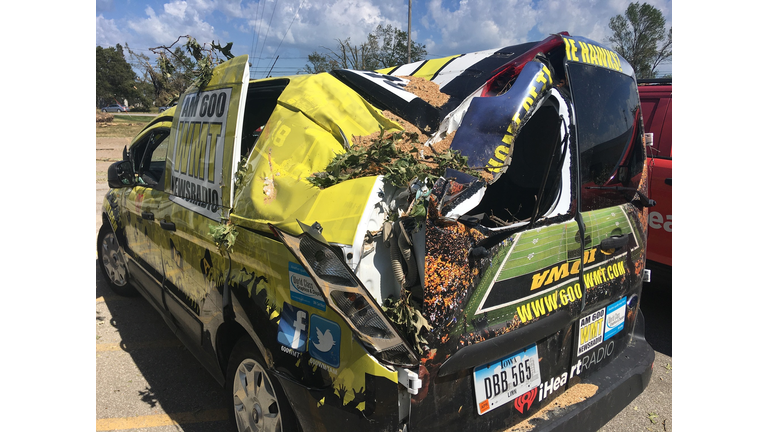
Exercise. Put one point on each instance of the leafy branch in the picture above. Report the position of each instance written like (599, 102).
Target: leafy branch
(242, 168)
(384, 156)
(207, 56)
(224, 235)
(406, 315)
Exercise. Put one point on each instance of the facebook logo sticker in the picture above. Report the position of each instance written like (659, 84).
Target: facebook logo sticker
(292, 331)
(325, 336)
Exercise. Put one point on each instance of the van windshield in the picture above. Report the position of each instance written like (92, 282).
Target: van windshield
(608, 126)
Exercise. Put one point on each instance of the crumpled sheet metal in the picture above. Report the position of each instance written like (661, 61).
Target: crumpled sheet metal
(491, 124)
(301, 137)
(460, 194)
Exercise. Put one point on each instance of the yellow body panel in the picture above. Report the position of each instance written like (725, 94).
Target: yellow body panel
(322, 113)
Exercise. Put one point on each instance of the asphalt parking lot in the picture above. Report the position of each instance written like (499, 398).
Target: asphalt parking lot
(147, 381)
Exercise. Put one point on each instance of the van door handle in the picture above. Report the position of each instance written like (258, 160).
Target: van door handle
(148, 215)
(614, 242)
(168, 226)
(668, 181)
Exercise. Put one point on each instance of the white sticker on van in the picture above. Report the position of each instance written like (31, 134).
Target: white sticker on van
(198, 151)
(591, 329)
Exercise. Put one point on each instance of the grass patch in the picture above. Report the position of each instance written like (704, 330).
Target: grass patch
(122, 126)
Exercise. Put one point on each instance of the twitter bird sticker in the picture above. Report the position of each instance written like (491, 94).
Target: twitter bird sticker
(324, 340)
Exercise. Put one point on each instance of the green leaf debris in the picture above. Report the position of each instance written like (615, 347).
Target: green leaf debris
(224, 235)
(396, 156)
(404, 313)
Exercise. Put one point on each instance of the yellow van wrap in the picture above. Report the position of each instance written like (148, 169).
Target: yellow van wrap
(323, 114)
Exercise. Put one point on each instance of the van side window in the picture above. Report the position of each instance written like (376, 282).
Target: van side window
(149, 158)
(260, 101)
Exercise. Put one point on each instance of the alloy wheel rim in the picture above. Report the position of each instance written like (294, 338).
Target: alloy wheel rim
(255, 401)
(112, 259)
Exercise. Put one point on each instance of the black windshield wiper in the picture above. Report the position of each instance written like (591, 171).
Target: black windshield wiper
(644, 201)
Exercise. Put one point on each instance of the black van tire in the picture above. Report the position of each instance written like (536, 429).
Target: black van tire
(112, 263)
(258, 397)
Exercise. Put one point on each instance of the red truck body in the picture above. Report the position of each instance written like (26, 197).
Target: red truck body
(656, 104)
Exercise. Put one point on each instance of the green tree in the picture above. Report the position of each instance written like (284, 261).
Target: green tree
(115, 79)
(177, 68)
(641, 38)
(390, 47)
(384, 47)
(319, 63)
(166, 87)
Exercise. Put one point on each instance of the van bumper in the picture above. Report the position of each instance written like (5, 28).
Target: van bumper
(619, 383)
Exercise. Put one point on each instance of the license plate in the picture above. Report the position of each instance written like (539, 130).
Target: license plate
(504, 380)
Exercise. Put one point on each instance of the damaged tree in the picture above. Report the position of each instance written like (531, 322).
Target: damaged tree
(178, 67)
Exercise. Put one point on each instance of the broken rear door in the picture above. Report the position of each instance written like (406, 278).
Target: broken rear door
(612, 201)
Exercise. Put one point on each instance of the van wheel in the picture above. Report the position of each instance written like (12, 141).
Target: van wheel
(257, 402)
(112, 263)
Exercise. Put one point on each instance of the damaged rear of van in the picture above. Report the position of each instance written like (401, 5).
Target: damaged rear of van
(501, 293)
(491, 294)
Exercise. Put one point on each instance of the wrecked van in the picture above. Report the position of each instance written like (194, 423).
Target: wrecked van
(450, 242)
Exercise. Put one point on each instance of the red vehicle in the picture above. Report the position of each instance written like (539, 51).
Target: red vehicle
(656, 105)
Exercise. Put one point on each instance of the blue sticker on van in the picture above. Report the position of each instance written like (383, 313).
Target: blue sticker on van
(325, 336)
(303, 288)
(614, 317)
(292, 330)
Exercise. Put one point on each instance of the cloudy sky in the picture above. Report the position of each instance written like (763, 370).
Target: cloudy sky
(292, 29)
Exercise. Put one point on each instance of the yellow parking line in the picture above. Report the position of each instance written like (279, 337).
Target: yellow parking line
(122, 346)
(102, 299)
(120, 423)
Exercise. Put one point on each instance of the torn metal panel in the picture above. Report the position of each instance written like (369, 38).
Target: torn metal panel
(387, 92)
(488, 130)
(463, 195)
(322, 114)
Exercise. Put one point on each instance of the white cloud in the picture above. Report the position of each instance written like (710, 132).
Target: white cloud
(588, 19)
(204, 7)
(480, 24)
(318, 24)
(444, 26)
(107, 33)
(178, 18)
(232, 8)
(104, 6)
(176, 9)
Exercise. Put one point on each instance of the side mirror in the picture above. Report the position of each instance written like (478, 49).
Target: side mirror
(120, 174)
